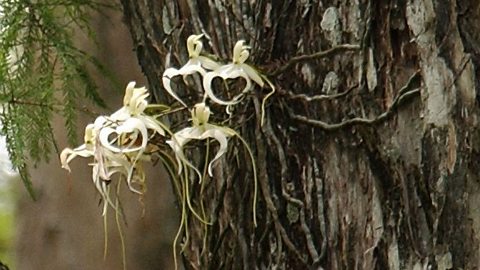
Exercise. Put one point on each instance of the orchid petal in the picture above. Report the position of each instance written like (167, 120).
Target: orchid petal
(180, 157)
(151, 123)
(194, 45)
(237, 51)
(128, 93)
(167, 75)
(120, 115)
(135, 99)
(130, 126)
(253, 74)
(207, 86)
(178, 141)
(139, 104)
(104, 137)
(222, 140)
(103, 189)
(64, 158)
(68, 155)
(208, 63)
(200, 114)
(100, 122)
(191, 67)
(130, 177)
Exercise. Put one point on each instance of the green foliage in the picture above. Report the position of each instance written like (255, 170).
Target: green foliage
(42, 73)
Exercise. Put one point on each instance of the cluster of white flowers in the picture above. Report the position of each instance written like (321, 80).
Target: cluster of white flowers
(118, 142)
(210, 69)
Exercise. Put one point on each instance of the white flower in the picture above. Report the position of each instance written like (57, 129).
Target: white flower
(105, 163)
(236, 69)
(134, 100)
(196, 63)
(84, 150)
(128, 130)
(200, 130)
(130, 124)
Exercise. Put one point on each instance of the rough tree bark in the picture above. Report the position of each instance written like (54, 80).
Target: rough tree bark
(368, 158)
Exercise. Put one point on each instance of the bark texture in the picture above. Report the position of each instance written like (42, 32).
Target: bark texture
(368, 156)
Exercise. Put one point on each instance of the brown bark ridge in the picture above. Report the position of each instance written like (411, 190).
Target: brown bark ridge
(368, 156)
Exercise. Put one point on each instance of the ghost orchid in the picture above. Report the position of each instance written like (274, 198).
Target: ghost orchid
(196, 63)
(200, 130)
(238, 68)
(84, 150)
(130, 123)
(128, 130)
(105, 163)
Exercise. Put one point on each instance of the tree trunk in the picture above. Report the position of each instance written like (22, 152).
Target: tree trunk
(367, 158)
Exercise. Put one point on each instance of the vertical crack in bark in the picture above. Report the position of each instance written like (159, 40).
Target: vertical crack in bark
(320, 208)
(218, 44)
(195, 19)
(263, 181)
(274, 143)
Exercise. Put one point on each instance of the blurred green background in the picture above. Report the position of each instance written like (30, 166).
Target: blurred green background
(8, 186)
